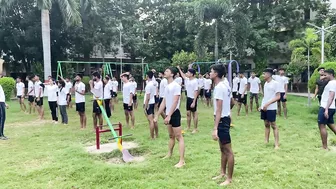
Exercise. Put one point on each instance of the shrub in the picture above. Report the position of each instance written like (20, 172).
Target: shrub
(316, 75)
(8, 85)
(86, 80)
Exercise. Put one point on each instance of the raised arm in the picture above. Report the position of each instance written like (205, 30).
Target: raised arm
(181, 73)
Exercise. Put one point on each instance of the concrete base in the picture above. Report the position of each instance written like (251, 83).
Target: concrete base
(109, 147)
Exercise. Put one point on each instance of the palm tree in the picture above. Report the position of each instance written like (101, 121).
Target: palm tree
(70, 14)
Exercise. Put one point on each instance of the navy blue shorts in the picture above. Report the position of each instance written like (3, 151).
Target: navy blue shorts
(282, 97)
(269, 115)
(242, 100)
(160, 101)
(128, 108)
(223, 130)
(321, 119)
(207, 94)
(189, 102)
(157, 99)
(175, 120)
(150, 110)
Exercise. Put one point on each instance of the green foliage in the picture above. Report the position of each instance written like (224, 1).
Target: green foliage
(37, 68)
(160, 65)
(8, 85)
(183, 58)
(86, 80)
(316, 75)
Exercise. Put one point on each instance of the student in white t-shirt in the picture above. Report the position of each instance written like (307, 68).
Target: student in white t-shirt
(162, 88)
(201, 86)
(31, 93)
(128, 92)
(207, 89)
(107, 96)
(149, 105)
(3, 107)
(242, 93)
(283, 81)
(327, 107)
(115, 85)
(80, 100)
(52, 92)
(69, 87)
(135, 96)
(269, 107)
(191, 86)
(254, 85)
(222, 113)
(170, 105)
(39, 89)
(20, 93)
(63, 101)
(178, 79)
(235, 86)
(97, 89)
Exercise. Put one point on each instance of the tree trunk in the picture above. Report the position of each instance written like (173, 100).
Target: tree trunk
(45, 21)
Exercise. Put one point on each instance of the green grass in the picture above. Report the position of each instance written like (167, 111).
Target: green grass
(43, 155)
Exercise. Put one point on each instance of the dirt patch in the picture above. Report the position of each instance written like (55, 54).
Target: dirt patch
(109, 147)
(118, 161)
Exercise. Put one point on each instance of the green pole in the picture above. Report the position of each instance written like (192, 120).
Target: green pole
(58, 66)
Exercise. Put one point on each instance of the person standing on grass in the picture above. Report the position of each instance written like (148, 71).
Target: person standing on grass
(162, 88)
(149, 105)
(135, 96)
(254, 85)
(269, 107)
(221, 131)
(63, 101)
(283, 81)
(3, 106)
(97, 89)
(115, 85)
(20, 93)
(235, 87)
(242, 93)
(170, 105)
(69, 86)
(200, 81)
(107, 96)
(38, 88)
(321, 82)
(191, 85)
(128, 92)
(31, 93)
(80, 100)
(327, 108)
(52, 92)
(207, 89)
(178, 79)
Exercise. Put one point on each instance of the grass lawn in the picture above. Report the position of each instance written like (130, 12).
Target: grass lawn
(43, 155)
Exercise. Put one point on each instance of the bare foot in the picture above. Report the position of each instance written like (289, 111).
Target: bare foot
(167, 156)
(276, 148)
(194, 131)
(326, 149)
(218, 177)
(132, 127)
(226, 182)
(180, 164)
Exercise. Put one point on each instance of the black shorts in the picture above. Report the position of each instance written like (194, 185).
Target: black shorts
(254, 95)
(207, 94)
(31, 99)
(128, 108)
(157, 99)
(135, 98)
(80, 107)
(201, 92)
(189, 102)
(40, 102)
(319, 97)
(282, 97)
(69, 95)
(150, 110)
(175, 120)
(235, 95)
(160, 101)
(268, 115)
(321, 119)
(223, 130)
(95, 108)
(19, 97)
(114, 94)
(242, 100)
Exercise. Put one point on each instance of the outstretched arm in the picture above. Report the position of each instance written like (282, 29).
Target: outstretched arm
(181, 73)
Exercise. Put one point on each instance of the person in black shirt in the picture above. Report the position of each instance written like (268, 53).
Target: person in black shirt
(321, 82)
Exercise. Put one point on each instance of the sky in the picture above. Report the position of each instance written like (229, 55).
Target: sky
(333, 4)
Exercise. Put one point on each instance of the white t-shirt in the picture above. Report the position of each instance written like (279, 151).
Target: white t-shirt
(31, 88)
(191, 87)
(207, 84)
(151, 90)
(173, 89)
(200, 83)
(135, 85)
(38, 87)
(282, 80)
(331, 86)
(52, 92)
(80, 87)
(98, 90)
(156, 85)
(225, 81)
(163, 85)
(270, 91)
(222, 91)
(107, 91)
(235, 82)
(2, 95)
(20, 88)
(243, 83)
(178, 80)
(68, 86)
(115, 85)
(62, 97)
(254, 85)
(128, 89)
